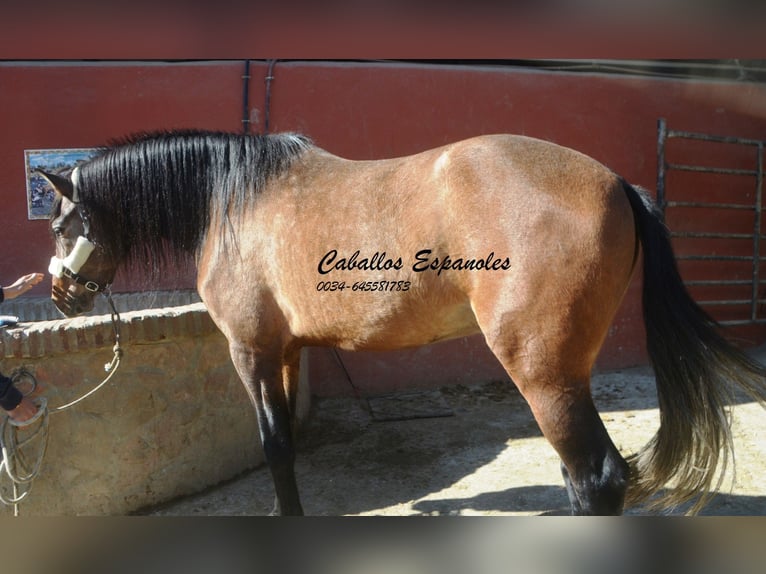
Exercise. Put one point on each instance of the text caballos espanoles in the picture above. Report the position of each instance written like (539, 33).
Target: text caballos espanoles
(423, 261)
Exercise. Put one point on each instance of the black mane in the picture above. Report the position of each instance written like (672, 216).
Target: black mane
(150, 197)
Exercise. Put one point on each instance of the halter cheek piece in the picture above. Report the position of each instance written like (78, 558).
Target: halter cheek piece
(70, 266)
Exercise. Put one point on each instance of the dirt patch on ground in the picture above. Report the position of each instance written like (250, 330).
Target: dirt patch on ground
(488, 458)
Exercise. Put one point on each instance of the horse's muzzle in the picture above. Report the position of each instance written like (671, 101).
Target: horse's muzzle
(71, 304)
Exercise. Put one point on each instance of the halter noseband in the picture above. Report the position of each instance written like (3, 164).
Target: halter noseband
(70, 266)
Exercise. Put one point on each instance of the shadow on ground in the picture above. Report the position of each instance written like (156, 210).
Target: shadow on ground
(487, 458)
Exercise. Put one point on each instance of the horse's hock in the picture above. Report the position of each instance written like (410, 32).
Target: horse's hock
(173, 419)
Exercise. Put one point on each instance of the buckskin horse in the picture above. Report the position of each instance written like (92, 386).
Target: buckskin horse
(528, 242)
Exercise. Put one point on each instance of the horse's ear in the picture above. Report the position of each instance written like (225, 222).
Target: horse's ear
(60, 184)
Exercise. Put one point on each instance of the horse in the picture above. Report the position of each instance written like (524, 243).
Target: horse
(525, 241)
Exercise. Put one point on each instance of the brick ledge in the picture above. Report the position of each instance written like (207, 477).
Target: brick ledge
(43, 338)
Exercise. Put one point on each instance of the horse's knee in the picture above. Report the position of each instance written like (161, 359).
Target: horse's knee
(279, 452)
(278, 447)
(276, 434)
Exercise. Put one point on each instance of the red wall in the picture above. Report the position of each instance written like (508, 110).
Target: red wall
(363, 110)
(84, 105)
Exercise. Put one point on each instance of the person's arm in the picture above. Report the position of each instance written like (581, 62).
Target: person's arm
(20, 286)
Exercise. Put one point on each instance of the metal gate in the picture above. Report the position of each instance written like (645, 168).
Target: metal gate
(732, 293)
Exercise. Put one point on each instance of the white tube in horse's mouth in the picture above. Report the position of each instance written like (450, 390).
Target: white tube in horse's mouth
(75, 260)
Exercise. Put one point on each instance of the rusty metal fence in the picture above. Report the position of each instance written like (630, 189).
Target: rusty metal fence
(753, 304)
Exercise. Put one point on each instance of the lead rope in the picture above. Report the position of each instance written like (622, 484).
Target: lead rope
(14, 463)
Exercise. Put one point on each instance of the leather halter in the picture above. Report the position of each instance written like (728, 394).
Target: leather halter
(66, 267)
(80, 280)
(70, 265)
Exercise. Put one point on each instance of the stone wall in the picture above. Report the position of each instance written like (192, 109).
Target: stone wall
(173, 420)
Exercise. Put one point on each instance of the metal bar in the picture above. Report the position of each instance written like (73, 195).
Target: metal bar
(709, 205)
(246, 98)
(712, 138)
(735, 323)
(661, 167)
(269, 79)
(716, 282)
(725, 302)
(653, 68)
(757, 230)
(711, 235)
(705, 169)
(714, 258)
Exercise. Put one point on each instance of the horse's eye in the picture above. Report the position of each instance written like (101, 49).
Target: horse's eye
(58, 231)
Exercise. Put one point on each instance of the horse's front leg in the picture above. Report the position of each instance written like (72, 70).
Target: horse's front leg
(261, 374)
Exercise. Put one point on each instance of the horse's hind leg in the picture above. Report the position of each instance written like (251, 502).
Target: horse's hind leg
(263, 381)
(558, 392)
(547, 318)
(595, 474)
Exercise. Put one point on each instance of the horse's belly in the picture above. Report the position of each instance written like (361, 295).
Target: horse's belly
(414, 329)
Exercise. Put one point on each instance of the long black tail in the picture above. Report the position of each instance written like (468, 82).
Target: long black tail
(696, 370)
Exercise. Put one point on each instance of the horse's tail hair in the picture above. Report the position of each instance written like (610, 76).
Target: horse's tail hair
(696, 370)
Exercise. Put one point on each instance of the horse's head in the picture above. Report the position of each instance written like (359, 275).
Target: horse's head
(81, 267)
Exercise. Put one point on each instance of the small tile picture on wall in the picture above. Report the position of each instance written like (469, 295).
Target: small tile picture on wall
(40, 194)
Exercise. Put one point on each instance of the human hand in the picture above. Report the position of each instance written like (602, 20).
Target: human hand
(25, 410)
(22, 285)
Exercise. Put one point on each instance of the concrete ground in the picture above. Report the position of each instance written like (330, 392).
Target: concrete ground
(486, 458)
